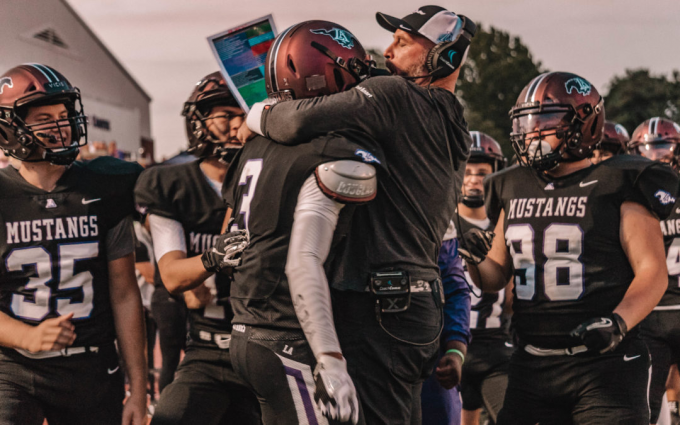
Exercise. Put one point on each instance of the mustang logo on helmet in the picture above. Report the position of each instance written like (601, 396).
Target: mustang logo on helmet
(342, 37)
(578, 84)
(5, 81)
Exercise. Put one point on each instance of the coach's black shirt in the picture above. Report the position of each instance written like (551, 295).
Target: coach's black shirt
(415, 128)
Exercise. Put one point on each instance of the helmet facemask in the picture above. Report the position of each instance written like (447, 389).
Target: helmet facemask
(204, 141)
(59, 141)
(532, 125)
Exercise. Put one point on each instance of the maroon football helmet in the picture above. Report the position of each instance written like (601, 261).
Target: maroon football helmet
(557, 104)
(657, 139)
(314, 58)
(615, 138)
(211, 91)
(485, 149)
(30, 85)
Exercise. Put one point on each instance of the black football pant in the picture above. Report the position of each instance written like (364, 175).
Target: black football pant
(485, 375)
(206, 391)
(85, 389)
(580, 390)
(278, 366)
(387, 373)
(170, 316)
(661, 332)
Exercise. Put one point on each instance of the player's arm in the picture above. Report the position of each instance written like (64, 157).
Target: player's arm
(495, 271)
(315, 219)
(299, 121)
(126, 304)
(642, 242)
(178, 273)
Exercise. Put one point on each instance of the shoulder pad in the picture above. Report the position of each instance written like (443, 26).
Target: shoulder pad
(347, 181)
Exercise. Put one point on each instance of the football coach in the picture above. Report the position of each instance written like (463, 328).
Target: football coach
(387, 292)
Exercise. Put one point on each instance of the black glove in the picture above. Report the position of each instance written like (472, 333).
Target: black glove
(226, 252)
(476, 243)
(602, 334)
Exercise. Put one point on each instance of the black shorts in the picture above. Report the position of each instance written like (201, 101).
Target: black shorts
(206, 391)
(661, 332)
(85, 388)
(278, 366)
(580, 390)
(485, 374)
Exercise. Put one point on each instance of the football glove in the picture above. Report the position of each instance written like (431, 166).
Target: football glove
(476, 244)
(335, 393)
(602, 334)
(226, 252)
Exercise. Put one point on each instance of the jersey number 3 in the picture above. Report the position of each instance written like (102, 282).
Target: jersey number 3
(69, 255)
(563, 272)
(251, 171)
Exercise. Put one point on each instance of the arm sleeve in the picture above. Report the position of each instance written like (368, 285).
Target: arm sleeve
(314, 223)
(457, 294)
(120, 240)
(167, 235)
(368, 108)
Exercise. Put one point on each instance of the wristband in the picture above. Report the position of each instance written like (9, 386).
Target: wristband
(460, 353)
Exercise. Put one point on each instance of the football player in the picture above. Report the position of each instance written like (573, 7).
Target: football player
(614, 142)
(659, 139)
(68, 289)
(421, 130)
(585, 248)
(287, 202)
(186, 213)
(485, 372)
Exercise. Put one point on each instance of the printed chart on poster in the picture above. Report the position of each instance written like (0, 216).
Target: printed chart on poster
(241, 53)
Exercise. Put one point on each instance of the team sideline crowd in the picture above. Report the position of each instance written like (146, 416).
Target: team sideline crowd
(347, 252)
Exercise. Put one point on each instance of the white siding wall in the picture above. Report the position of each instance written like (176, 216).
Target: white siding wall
(107, 90)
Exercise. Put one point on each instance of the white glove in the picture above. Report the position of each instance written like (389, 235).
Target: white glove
(335, 393)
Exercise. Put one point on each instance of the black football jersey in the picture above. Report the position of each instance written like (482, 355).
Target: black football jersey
(563, 237)
(53, 245)
(183, 193)
(485, 310)
(262, 186)
(671, 237)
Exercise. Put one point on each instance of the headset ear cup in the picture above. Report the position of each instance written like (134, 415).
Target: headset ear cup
(438, 60)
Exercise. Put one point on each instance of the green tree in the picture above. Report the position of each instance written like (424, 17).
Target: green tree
(638, 96)
(497, 69)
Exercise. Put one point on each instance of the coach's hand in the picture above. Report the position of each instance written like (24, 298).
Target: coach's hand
(244, 133)
(602, 334)
(449, 370)
(335, 393)
(475, 244)
(226, 252)
(51, 334)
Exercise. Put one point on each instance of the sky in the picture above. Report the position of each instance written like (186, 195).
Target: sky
(163, 43)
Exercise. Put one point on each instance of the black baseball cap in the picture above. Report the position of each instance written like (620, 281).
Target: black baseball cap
(432, 22)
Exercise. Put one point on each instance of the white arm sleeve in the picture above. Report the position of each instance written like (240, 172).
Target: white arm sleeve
(315, 219)
(167, 235)
(254, 117)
